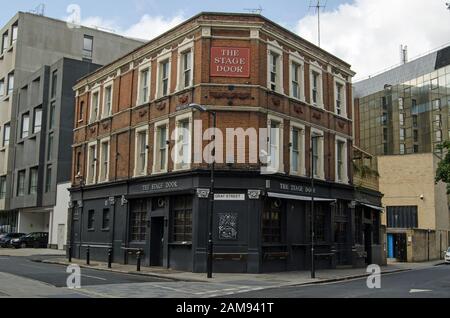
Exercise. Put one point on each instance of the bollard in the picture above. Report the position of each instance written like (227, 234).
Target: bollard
(138, 261)
(109, 257)
(70, 254)
(88, 256)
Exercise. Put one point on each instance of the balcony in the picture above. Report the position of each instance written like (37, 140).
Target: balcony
(365, 167)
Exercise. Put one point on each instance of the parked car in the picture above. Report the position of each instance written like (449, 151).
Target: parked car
(32, 240)
(447, 256)
(5, 239)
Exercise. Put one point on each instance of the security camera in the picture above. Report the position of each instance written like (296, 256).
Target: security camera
(421, 197)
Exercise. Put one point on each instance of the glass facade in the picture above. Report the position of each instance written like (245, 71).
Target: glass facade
(409, 117)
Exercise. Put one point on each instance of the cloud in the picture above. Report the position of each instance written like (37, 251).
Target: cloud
(368, 33)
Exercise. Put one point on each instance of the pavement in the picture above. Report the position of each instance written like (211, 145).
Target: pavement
(25, 252)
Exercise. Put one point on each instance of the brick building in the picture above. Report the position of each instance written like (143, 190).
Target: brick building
(128, 191)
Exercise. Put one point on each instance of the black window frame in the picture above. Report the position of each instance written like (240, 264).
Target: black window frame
(91, 220)
(138, 220)
(272, 231)
(182, 213)
(106, 219)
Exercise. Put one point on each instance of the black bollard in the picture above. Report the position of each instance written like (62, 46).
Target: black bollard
(88, 256)
(109, 257)
(70, 254)
(138, 261)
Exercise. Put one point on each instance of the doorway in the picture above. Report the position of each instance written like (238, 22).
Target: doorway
(157, 241)
(368, 243)
(397, 247)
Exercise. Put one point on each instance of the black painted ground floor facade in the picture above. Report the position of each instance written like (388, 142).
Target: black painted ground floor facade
(261, 223)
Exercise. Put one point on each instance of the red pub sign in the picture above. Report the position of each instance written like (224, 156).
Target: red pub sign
(230, 62)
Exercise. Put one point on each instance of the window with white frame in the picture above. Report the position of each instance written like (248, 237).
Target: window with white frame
(186, 71)
(341, 160)
(6, 134)
(183, 142)
(94, 106)
(275, 67)
(104, 160)
(402, 134)
(15, 29)
(296, 76)
(316, 85)
(341, 97)
(275, 144)
(144, 85)
(107, 101)
(5, 40)
(2, 87)
(10, 83)
(317, 149)
(141, 157)
(297, 149)
(274, 70)
(160, 148)
(92, 163)
(163, 83)
(25, 125)
(37, 120)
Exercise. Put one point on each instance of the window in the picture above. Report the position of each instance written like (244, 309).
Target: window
(183, 145)
(104, 161)
(51, 121)
(21, 183)
(317, 154)
(161, 148)
(92, 163)
(438, 120)
(438, 135)
(384, 119)
(341, 161)
(81, 112)
(273, 66)
(107, 101)
(319, 223)
(91, 220)
(275, 148)
(415, 121)
(316, 87)
(25, 125)
(358, 227)
(37, 117)
(88, 46)
(341, 107)
(182, 219)
(54, 83)
(404, 217)
(5, 40)
(10, 83)
(6, 134)
(385, 134)
(400, 103)
(272, 222)
(15, 29)
(416, 135)
(376, 227)
(434, 83)
(94, 106)
(50, 147)
(2, 87)
(384, 102)
(106, 219)
(437, 104)
(48, 179)
(78, 164)
(141, 153)
(144, 86)
(2, 187)
(138, 220)
(402, 119)
(33, 181)
(402, 134)
(164, 79)
(402, 149)
(297, 151)
(186, 67)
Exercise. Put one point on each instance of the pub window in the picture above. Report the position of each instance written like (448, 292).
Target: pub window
(319, 223)
(182, 219)
(340, 232)
(91, 220)
(105, 219)
(318, 154)
(138, 221)
(272, 222)
(275, 145)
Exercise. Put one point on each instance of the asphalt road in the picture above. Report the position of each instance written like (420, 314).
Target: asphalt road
(56, 274)
(431, 282)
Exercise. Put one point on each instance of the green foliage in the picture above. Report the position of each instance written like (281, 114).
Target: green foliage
(365, 171)
(443, 169)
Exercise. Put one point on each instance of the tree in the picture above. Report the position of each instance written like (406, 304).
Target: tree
(443, 169)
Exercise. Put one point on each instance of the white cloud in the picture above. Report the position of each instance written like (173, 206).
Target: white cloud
(368, 33)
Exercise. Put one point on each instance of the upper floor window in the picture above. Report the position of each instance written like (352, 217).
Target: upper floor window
(104, 160)
(402, 119)
(275, 64)
(297, 150)
(54, 83)
(163, 77)
(437, 104)
(107, 101)
(317, 149)
(402, 149)
(10, 83)
(78, 163)
(15, 29)
(81, 111)
(296, 78)
(37, 120)
(183, 143)
(316, 85)
(94, 106)
(5, 40)
(144, 86)
(341, 96)
(400, 103)
(2, 187)
(33, 180)
(25, 125)
(160, 155)
(438, 135)
(141, 152)
(2, 87)
(341, 160)
(88, 46)
(186, 69)
(275, 145)
(51, 116)
(21, 183)
(92, 163)
(6, 134)
(50, 147)
(402, 134)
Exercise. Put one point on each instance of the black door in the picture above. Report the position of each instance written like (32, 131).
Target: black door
(368, 242)
(400, 243)
(157, 241)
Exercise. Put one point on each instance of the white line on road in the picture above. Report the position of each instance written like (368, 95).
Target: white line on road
(413, 291)
(94, 277)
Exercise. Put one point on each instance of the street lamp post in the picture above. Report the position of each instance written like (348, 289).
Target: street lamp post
(313, 269)
(209, 264)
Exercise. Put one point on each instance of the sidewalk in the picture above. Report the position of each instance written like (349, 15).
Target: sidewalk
(272, 279)
(25, 252)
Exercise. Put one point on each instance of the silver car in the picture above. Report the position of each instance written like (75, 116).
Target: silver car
(447, 256)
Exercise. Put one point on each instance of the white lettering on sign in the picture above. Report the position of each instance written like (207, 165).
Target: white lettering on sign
(229, 197)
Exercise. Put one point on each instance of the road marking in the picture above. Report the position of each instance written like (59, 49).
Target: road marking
(412, 291)
(94, 277)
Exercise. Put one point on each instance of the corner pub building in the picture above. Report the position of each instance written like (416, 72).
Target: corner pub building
(128, 193)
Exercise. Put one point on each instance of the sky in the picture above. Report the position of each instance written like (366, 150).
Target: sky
(365, 33)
